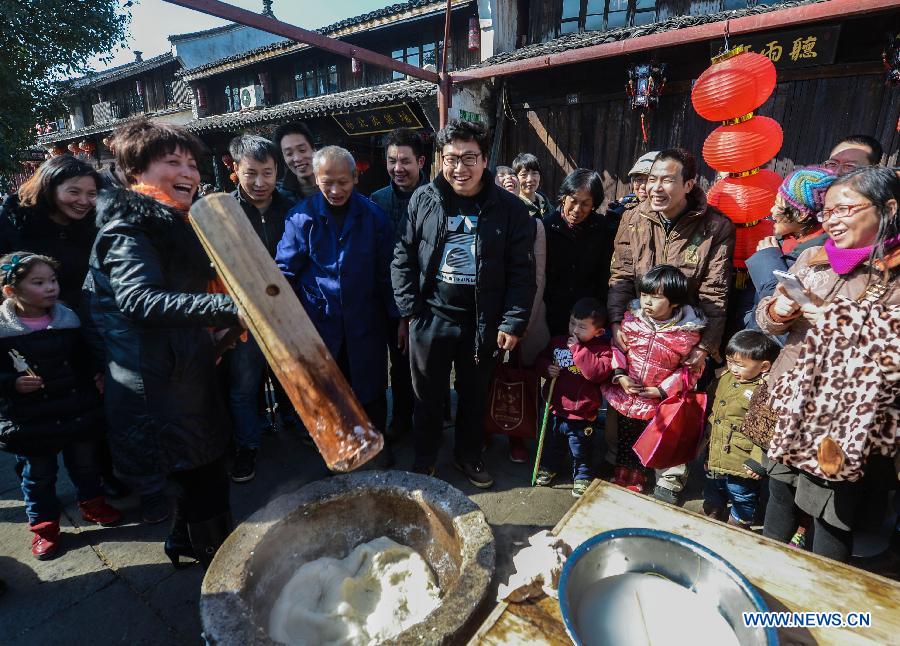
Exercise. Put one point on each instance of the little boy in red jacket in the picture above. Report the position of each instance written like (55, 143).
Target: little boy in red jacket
(579, 363)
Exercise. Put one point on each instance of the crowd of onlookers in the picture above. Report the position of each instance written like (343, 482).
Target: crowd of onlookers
(115, 327)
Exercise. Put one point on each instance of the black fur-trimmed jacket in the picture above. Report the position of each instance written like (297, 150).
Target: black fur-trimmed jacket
(68, 407)
(149, 302)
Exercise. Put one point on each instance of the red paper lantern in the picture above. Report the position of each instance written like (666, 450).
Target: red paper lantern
(746, 239)
(743, 146)
(474, 34)
(734, 87)
(745, 199)
(73, 148)
(87, 146)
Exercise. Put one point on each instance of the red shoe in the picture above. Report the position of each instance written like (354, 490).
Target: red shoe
(97, 511)
(637, 482)
(621, 477)
(45, 543)
(517, 451)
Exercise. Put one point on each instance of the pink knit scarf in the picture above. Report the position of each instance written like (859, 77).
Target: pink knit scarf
(843, 261)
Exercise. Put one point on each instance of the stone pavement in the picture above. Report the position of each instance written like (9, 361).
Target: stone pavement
(115, 585)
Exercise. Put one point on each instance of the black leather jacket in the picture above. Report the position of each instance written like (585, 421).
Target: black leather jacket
(148, 300)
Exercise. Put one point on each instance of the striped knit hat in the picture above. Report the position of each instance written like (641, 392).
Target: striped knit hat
(805, 189)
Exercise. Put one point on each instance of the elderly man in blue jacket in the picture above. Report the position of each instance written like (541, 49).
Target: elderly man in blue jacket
(336, 253)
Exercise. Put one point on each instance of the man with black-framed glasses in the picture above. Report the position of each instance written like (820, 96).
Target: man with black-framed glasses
(463, 277)
(850, 153)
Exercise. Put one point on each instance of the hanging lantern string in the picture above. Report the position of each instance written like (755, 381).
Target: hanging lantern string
(643, 128)
(737, 120)
(746, 173)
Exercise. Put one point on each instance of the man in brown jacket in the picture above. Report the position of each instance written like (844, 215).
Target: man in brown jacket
(675, 226)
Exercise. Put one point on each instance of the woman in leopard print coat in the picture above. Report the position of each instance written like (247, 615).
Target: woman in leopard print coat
(860, 260)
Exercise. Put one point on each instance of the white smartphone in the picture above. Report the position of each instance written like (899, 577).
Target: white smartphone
(793, 287)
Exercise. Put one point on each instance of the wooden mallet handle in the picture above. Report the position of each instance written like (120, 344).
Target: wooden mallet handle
(336, 421)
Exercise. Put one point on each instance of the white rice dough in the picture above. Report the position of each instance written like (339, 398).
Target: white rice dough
(379, 590)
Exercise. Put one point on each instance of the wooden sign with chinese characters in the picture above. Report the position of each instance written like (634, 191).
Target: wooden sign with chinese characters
(371, 121)
(789, 49)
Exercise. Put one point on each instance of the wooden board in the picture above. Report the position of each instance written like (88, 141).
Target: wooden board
(336, 421)
(789, 579)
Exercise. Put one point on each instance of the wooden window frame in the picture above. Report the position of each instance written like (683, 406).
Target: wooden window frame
(579, 23)
(325, 77)
(432, 44)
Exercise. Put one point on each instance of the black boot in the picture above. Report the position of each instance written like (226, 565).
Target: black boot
(178, 542)
(206, 536)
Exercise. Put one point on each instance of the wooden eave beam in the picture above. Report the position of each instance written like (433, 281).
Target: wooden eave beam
(274, 26)
(831, 10)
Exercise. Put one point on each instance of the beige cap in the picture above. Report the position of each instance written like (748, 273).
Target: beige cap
(643, 164)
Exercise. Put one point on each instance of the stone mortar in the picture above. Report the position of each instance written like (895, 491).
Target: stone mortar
(331, 517)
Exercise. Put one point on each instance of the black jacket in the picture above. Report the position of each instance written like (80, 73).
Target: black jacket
(504, 252)
(30, 229)
(68, 407)
(395, 203)
(148, 300)
(577, 266)
(269, 226)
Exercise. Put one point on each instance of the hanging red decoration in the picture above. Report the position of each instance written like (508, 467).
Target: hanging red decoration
(745, 199)
(228, 160)
(474, 34)
(746, 238)
(734, 87)
(739, 147)
(233, 178)
(362, 166)
(56, 151)
(73, 148)
(87, 146)
(645, 84)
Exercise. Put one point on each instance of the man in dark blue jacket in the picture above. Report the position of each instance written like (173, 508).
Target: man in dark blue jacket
(336, 254)
(463, 276)
(256, 165)
(405, 159)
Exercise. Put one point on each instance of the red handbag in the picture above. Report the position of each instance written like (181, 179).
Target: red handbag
(674, 434)
(512, 407)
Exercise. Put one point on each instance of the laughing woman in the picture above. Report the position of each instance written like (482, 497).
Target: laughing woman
(53, 215)
(154, 299)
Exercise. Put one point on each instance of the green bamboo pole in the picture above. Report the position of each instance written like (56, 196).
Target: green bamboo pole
(540, 446)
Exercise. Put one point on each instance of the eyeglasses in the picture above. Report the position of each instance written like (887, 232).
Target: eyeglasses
(452, 161)
(839, 168)
(841, 211)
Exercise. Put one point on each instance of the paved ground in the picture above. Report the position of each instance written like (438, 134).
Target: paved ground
(115, 586)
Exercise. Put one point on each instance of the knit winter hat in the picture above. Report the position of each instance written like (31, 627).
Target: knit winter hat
(805, 189)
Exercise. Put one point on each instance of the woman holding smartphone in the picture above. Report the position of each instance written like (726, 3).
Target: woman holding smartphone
(860, 260)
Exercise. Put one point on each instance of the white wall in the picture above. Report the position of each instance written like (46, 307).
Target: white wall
(205, 49)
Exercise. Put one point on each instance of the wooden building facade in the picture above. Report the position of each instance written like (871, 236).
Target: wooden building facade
(344, 102)
(580, 116)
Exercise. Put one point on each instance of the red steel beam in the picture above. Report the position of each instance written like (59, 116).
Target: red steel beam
(760, 22)
(273, 26)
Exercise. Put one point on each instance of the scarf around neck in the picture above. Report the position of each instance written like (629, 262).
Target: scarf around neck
(844, 261)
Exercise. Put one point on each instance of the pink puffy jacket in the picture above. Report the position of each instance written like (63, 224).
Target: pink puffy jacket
(655, 356)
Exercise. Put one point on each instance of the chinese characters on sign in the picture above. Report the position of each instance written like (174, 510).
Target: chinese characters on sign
(790, 49)
(370, 121)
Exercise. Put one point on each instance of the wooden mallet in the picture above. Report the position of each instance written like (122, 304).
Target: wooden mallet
(336, 421)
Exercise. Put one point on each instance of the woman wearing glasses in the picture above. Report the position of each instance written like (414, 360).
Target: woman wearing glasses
(861, 260)
(797, 228)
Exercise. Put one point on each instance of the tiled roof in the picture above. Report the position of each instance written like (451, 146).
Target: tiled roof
(122, 71)
(174, 38)
(357, 23)
(590, 38)
(109, 126)
(317, 106)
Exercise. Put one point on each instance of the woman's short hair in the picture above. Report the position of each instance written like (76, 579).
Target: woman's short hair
(668, 281)
(526, 161)
(582, 178)
(39, 190)
(140, 143)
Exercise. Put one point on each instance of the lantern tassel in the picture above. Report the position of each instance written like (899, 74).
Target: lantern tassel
(643, 128)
